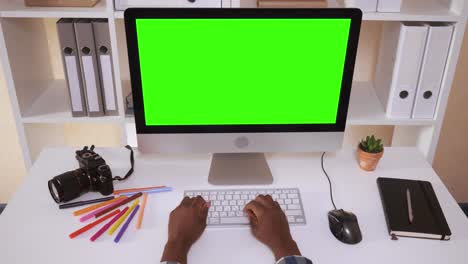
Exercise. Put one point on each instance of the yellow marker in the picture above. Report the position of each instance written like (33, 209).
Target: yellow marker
(122, 218)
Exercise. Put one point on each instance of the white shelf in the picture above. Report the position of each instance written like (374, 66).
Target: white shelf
(119, 14)
(366, 109)
(53, 106)
(18, 9)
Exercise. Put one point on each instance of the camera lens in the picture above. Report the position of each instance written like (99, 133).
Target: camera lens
(69, 185)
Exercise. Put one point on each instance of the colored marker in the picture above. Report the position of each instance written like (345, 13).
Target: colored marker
(137, 189)
(125, 226)
(106, 226)
(142, 211)
(81, 203)
(121, 219)
(122, 202)
(96, 206)
(166, 189)
(93, 224)
(93, 213)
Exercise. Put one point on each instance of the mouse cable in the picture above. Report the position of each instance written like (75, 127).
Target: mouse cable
(329, 181)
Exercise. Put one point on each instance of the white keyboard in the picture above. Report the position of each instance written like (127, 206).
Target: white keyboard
(227, 206)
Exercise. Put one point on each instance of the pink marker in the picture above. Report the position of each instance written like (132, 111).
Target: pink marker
(93, 213)
(106, 226)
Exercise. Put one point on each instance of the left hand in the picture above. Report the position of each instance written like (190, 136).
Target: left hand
(186, 224)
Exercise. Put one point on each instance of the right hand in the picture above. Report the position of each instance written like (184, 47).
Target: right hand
(270, 226)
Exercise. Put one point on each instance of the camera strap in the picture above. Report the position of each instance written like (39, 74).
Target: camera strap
(132, 163)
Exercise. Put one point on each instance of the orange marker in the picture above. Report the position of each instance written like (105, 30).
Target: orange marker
(93, 207)
(142, 211)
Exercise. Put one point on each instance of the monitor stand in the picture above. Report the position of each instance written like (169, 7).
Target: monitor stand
(240, 169)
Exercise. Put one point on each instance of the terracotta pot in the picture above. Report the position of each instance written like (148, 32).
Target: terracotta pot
(368, 161)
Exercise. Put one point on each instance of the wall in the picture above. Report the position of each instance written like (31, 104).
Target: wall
(451, 160)
(11, 160)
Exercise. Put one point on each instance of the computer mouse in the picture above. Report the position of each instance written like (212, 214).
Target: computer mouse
(344, 226)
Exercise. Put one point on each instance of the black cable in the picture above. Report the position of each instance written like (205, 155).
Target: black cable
(329, 181)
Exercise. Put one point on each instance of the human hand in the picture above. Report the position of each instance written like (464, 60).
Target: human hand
(186, 224)
(270, 226)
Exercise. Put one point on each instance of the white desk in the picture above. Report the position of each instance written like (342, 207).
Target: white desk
(33, 230)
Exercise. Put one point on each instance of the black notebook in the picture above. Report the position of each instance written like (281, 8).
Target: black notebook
(412, 209)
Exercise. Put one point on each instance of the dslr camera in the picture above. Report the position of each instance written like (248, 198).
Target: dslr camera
(93, 175)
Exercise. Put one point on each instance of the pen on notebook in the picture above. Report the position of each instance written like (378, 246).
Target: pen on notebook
(410, 206)
(81, 203)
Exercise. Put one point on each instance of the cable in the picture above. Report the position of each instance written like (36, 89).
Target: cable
(329, 181)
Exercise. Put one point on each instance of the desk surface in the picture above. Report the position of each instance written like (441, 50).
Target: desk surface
(33, 230)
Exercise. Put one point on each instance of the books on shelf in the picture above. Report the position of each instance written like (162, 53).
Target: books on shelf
(292, 3)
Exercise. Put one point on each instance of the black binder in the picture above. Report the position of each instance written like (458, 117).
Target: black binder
(412, 209)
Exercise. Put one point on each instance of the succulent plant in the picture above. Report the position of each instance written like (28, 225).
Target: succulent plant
(371, 145)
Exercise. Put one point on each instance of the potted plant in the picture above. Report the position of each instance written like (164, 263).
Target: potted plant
(370, 151)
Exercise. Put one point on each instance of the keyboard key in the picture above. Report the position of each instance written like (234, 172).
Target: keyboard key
(232, 202)
(236, 208)
(216, 202)
(283, 207)
(293, 212)
(292, 196)
(215, 214)
(270, 192)
(219, 208)
(236, 197)
(225, 202)
(205, 197)
(280, 201)
(295, 201)
(223, 214)
(220, 197)
(291, 219)
(294, 207)
(189, 194)
(227, 208)
(240, 213)
(275, 197)
(230, 192)
(198, 193)
(212, 197)
(205, 193)
(286, 191)
(252, 197)
(244, 197)
(287, 201)
(283, 196)
(231, 214)
(228, 197)
(240, 202)
(235, 220)
(300, 220)
(278, 192)
(237, 192)
(294, 191)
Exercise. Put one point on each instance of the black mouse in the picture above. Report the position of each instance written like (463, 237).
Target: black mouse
(344, 226)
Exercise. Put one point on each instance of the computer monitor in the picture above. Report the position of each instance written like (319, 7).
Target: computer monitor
(241, 82)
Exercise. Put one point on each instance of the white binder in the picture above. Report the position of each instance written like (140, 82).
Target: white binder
(364, 5)
(432, 70)
(399, 65)
(71, 65)
(104, 59)
(89, 67)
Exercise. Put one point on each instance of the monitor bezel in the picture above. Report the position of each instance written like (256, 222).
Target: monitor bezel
(132, 14)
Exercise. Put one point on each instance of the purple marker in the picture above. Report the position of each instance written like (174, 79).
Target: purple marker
(125, 226)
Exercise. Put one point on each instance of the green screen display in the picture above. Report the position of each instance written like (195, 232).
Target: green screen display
(241, 71)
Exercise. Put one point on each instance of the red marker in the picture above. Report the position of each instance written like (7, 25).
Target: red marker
(93, 224)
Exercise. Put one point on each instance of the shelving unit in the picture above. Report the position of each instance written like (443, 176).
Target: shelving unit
(30, 56)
